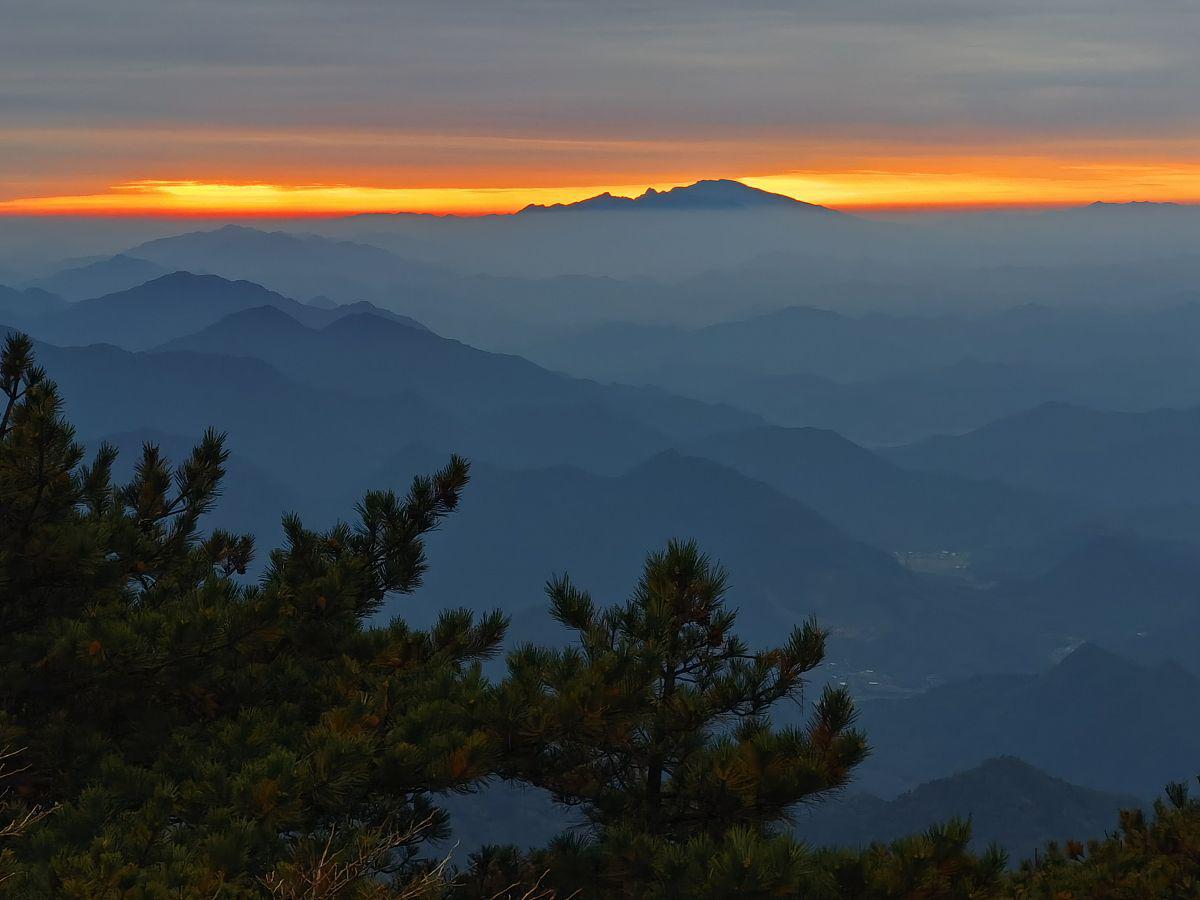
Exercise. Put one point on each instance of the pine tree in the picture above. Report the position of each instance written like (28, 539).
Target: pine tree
(201, 735)
(655, 725)
(1145, 856)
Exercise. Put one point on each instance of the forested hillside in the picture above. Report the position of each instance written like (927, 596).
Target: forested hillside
(172, 727)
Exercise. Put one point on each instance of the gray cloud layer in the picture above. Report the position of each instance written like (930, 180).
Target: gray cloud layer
(668, 71)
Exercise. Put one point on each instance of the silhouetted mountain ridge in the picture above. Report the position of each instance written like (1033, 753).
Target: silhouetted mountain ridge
(105, 276)
(710, 194)
(1009, 802)
(178, 304)
(364, 354)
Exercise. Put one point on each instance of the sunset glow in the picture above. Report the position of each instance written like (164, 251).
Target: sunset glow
(285, 109)
(1020, 183)
(217, 199)
(908, 183)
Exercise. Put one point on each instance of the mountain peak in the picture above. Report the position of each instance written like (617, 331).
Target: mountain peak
(183, 276)
(188, 286)
(720, 193)
(374, 324)
(1135, 206)
(1088, 662)
(367, 308)
(244, 326)
(231, 228)
(709, 194)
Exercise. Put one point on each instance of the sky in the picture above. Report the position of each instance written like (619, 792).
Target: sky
(470, 106)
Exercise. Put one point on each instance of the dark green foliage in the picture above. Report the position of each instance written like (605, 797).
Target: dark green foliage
(655, 725)
(936, 863)
(657, 719)
(197, 733)
(744, 862)
(1157, 857)
(169, 730)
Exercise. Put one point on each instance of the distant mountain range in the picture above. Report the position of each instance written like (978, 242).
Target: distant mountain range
(1096, 718)
(660, 234)
(848, 346)
(1121, 589)
(482, 280)
(271, 380)
(285, 378)
(368, 355)
(890, 379)
(786, 561)
(105, 276)
(278, 424)
(298, 265)
(714, 194)
(883, 503)
(323, 444)
(174, 305)
(1124, 459)
(1009, 803)
(28, 303)
(324, 437)
(504, 407)
(711, 225)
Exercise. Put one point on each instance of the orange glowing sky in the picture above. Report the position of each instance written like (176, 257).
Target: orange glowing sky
(883, 183)
(306, 107)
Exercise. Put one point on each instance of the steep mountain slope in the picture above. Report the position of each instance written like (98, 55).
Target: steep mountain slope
(1009, 803)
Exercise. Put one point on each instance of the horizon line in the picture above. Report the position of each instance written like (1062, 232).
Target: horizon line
(895, 194)
(234, 213)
